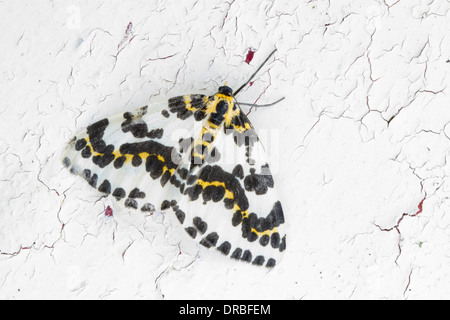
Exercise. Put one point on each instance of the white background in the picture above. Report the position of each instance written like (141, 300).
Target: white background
(364, 142)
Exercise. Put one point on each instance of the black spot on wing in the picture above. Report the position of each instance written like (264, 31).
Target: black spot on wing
(179, 214)
(259, 183)
(282, 246)
(259, 261)
(165, 113)
(155, 133)
(238, 171)
(191, 231)
(237, 218)
(93, 180)
(264, 240)
(224, 248)
(165, 178)
(210, 240)
(86, 152)
(80, 144)
(183, 172)
(119, 193)
(214, 193)
(236, 253)
(201, 225)
(148, 207)
(118, 163)
(86, 174)
(271, 263)
(74, 170)
(138, 130)
(95, 132)
(165, 205)
(178, 106)
(137, 127)
(66, 162)
(275, 240)
(105, 187)
(246, 256)
(136, 161)
(136, 193)
(131, 203)
(106, 158)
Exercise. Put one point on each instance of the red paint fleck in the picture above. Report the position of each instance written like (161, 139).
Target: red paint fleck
(251, 83)
(129, 27)
(108, 212)
(397, 226)
(419, 207)
(126, 36)
(249, 56)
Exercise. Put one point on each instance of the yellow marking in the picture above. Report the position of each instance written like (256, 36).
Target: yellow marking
(94, 153)
(267, 232)
(229, 194)
(116, 154)
(212, 125)
(207, 129)
(231, 114)
(205, 143)
(211, 106)
(128, 157)
(196, 154)
(229, 118)
(241, 129)
(224, 97)
(244, 214)
(204, 184)
(236, 208)
(187, 101)
(210, 128)
(170, 170)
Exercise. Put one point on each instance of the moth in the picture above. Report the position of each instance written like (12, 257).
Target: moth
(173, 157)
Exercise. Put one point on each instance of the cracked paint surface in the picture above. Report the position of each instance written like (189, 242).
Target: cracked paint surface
(363, 154)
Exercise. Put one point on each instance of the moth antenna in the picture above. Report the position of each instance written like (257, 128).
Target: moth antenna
(259, 105)
(254, 74)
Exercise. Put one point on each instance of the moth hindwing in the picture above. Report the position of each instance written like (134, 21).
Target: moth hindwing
(175, 157)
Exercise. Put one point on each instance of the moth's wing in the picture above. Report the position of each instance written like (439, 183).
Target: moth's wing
(133, 155)
(143, 159)
(229, 202)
